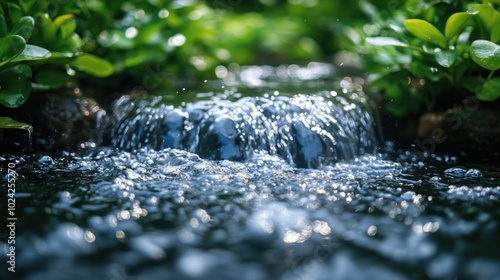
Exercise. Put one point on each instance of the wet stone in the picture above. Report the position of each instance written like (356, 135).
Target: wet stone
(16, 140)
(470, 128)
(64, 121)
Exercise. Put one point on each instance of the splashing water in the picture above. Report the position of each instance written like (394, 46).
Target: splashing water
(309, 130)
(149, 212)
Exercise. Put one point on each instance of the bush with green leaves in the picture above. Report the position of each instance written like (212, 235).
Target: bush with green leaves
(431, 53)
(40, 52)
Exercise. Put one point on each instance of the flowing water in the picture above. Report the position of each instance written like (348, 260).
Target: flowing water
(253, 181)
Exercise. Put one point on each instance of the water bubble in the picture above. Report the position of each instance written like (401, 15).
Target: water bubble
(163, 13)
(474, 173)
(195, 264)
(120, 235)
(455, 172)
(321, 227)
(221, 71)
(131, 32)
(45, 160)
(372, 230)
(89, 236)
(176, 40)
(148, 247)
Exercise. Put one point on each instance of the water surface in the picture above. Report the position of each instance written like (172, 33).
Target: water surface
(153, 212)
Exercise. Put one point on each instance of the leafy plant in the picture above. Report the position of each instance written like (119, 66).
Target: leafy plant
(431, 57)
(36, 52)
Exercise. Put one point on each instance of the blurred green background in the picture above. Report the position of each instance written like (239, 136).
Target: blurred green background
(180, 39)
(154, 44)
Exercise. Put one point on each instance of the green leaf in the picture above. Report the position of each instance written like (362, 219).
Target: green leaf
(487, 15)
(23, 27)
(456, 23)
(63, 18)
(14, 11)
(3, 26)
(369, 9)
(495, 33)
(32, 52)
(472, 84)
(419, 69)
(93, 65)
(425, 31)
(48, 29)
(445, 58)
(6, 122)
(56, 55)
(18, 72)
(15, 87)
(385, 41)
(67, 28)
(51, 79)
(10, 47)
(486, 54)
(66, 25)
(490, 90)
(27, 5)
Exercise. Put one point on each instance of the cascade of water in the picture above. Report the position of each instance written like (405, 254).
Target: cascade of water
(308, 130)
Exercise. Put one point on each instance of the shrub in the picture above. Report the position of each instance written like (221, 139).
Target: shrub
(424, 52)
(39, 51)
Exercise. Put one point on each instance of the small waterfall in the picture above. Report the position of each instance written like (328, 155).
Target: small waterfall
(309, 131)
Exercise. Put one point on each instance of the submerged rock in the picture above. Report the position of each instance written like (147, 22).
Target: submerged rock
(310, 131)
(222, 140)
(63, 121)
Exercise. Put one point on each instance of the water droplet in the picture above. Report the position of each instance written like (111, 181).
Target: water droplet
(372, 230)
(176, 40)
(131, 32)
(455, 172)
(46, 160)
(474, 173)
(163, 13)
(89, 236)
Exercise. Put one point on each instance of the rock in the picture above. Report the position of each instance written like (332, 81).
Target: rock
(222, 140)
(471, 128)
(15, 137)
(63, 121)
(475, 131)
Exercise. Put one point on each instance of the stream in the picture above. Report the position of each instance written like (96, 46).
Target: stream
(266, 173)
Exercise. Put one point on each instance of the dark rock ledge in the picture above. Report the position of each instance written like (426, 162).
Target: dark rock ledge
(471, 128)
(61, 121)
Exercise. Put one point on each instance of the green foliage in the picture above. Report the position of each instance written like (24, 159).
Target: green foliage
(32, 45)
(456, 23)
(16, 87)
(425, 31)
(147, 40)
(162, 40)
(92, 65)
(489, 91)
(6, 122)
(10, 47)
(486, 54)
(432, 51)
(418, 52)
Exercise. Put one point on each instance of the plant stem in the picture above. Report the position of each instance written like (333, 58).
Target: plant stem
(491, 74)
